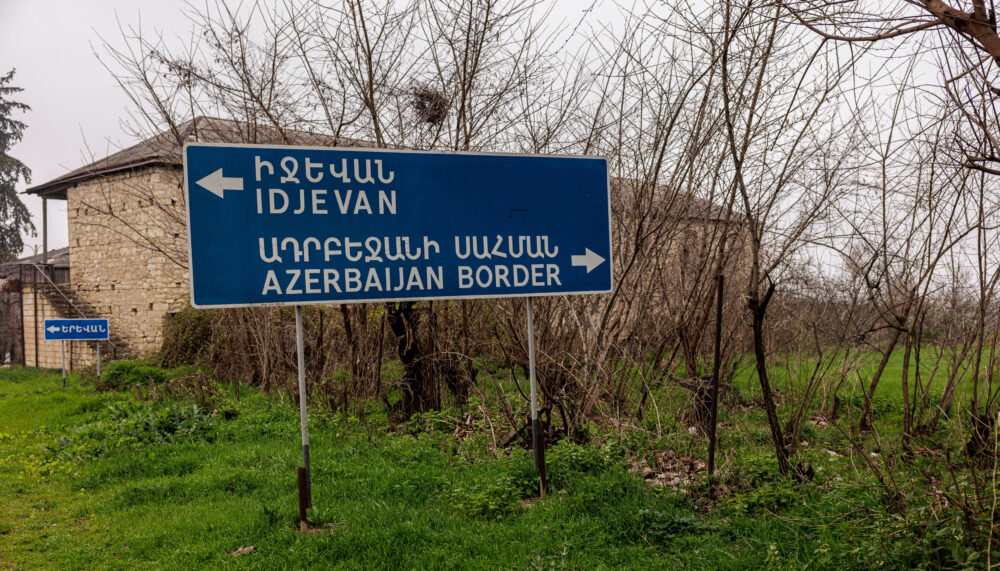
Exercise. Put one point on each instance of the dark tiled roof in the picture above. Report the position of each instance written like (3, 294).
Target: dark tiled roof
(57, 258)
(166, 148)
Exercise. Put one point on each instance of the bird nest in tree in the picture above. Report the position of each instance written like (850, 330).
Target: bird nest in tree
(430, 104)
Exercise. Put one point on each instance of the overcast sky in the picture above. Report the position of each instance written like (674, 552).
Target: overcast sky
(76, 107)
(75, 103)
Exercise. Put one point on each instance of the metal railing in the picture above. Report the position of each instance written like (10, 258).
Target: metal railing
(39, 270)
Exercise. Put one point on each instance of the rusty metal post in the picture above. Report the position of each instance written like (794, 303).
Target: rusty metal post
(715, 381)
(303, 499)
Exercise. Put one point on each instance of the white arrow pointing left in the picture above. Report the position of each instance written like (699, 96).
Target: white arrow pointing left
(590, 259)
(53, 328)
(217, 184)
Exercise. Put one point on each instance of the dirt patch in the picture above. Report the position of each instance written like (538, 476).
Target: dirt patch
(668, 468)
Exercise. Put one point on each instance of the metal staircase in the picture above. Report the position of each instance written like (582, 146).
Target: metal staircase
(68, 305)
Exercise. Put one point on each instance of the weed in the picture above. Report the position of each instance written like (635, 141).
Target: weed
(443, 421)
(132, 424)
(187, 337)
(169, 484)
(490, 500)
(660, 526)
(119, 375)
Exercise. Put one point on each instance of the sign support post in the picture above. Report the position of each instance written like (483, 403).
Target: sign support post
(305, 483)
(64, 330)
(64, 363)
(537, 438)
(280, 225)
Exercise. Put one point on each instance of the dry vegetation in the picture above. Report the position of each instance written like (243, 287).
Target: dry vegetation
(843, 188)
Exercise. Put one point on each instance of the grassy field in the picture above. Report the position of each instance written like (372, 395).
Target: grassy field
(102, 480)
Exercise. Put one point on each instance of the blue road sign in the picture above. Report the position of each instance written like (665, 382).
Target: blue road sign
(76, 329)
(280, 225)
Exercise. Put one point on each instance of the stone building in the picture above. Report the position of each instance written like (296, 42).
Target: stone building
(127, 238)
(29, 294)
(127, 254)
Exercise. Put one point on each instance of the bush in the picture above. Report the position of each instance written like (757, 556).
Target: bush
(119, 375)
(186, 337)
(124, 374)
(948, 541)
(130, 424)
(660, 526)
(753, 471)
(566, 461)
(772, 497)
(491, 500)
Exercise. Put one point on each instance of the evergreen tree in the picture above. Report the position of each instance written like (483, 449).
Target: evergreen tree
(15, 219)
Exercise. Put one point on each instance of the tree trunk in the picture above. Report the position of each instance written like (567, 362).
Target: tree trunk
(352, 343)
(759, 307)
(417, 392)
(865, 423)
(980, 445)
(907, 418)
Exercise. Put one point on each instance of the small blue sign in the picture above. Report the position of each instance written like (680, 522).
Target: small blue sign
(281, 225)
(76, 329)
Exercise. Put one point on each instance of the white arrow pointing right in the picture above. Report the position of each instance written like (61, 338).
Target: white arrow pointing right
(218, 184)
(589, 259)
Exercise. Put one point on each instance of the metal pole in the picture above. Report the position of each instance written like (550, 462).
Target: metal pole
(45, 231)
(713, 423)
(98, 361)
(34, 310)
(302, 405)
(64, 363)
(537, 442)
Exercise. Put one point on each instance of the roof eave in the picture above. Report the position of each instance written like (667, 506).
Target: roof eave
(56, 189)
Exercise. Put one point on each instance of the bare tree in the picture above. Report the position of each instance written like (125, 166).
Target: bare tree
(966, 42)
(778, 103)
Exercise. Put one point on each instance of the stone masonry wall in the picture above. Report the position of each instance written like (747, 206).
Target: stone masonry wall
(127, 245)
(78, 353)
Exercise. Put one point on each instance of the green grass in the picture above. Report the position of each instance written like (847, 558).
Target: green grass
(789, 377)
(98, 480)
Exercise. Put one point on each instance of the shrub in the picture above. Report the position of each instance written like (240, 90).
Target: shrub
(119, 375)
(753, 471)
(186, 337)
(129, 424)
(660, 526)
(124, 374)
(491, 500)
(566, 461)
(432, 421)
